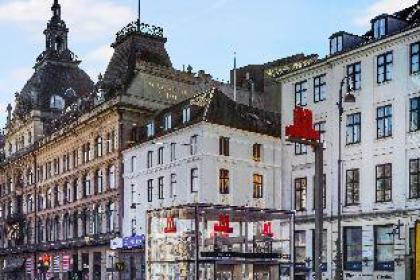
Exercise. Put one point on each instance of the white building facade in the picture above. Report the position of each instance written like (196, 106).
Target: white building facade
(189, 153)
(199, 162)
(380, 150)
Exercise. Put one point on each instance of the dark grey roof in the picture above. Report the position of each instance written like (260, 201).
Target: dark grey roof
(214, 107)
(129, 47)
(64, 79)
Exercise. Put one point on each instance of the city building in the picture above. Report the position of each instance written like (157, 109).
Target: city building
(61, 177)
(380, 149)
(206, 149)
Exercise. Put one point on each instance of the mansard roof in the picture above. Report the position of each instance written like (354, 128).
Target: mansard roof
(213, 106)
(134, 43)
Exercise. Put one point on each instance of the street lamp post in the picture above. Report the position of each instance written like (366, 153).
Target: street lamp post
(348, 98)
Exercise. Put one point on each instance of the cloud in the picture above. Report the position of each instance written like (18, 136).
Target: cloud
(100, 54)
(381, 7)
(87, 19)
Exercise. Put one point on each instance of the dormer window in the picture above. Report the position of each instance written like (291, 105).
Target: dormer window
(336, 44)
(57, 102)
(168, 122)
(150, 129)
(379, 28)
(186, 115)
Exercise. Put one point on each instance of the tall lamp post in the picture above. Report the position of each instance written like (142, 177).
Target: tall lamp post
(348, 98)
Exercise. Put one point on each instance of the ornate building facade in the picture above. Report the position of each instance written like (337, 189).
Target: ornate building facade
(61, 177)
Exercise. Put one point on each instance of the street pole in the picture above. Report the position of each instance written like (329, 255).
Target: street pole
(319, 207)
(196, 268)
(349, 98)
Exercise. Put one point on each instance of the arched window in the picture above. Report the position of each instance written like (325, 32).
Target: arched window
(99, 146)
(56, 228)
(48, 199)
(29, 203)
(99, 181)
(40, 231)
(110, 217)
(10, 208)
(66, 226)
(87, 190)
(57, 102)
(111, 177)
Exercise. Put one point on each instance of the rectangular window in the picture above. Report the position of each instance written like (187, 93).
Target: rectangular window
(168, 122)
(353, 248)
(384, 121)
(160, 187)
(379, 28)
(352, 187)
(150, 127)
(415, 58)
(149, 159)
(300, 94)
(193, 145)
(258, 186)
(172, 191)
(384, 182)
(186, 115)
(160, 155)
(354, 72)
(300, 149)
(384, 248)
(320, 88)
(194, 180)
(300, 194)
(415, 114)
(384, 67)
(300, 247)
(336, 44)
(353, 129)
(173, 151)
(415, 178)
(256, 152)
(223, 181)
(150, 190)
(224, 146)
(133, 163)
(320, 127)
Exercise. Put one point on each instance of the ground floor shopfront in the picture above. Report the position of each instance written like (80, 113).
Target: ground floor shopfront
(375, 246)
(91, 263)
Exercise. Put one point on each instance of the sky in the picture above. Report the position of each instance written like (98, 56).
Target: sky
(201, 33)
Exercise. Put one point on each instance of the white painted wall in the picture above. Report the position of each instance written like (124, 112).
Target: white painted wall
(398, 149)
(240, 164)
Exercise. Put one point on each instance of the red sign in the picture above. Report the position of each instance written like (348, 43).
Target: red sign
(302, 127)
(170, 225)
(223, 225)
(267, 230)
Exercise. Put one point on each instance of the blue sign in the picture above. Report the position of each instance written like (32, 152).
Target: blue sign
(136, 241)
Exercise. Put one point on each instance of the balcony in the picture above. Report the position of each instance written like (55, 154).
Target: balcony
(14, 218)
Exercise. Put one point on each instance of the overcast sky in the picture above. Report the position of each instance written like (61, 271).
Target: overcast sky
(203, 33)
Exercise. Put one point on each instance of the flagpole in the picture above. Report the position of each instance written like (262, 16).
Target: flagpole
(234, 78)
(138, 16)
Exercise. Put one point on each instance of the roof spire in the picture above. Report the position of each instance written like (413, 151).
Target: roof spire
(56, 9)
(138, 17)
